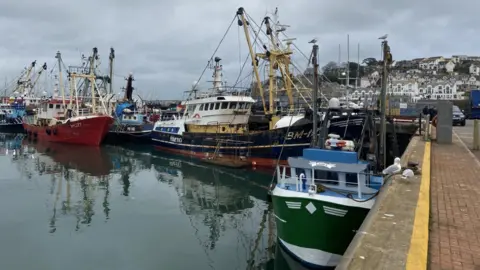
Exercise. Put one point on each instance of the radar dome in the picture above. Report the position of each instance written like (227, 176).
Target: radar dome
(334, 103)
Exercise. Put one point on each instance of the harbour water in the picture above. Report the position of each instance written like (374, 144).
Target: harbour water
(71, 207)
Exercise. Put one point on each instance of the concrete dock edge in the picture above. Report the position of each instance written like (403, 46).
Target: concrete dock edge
(385, 238)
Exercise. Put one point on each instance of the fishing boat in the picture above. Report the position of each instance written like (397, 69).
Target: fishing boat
(322, 197)
(11, 116)
(130, 124)
(70, 120)
(224, 113)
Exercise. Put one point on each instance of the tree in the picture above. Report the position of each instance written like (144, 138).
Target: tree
(330, 71)
(370, 62)
(329, 67)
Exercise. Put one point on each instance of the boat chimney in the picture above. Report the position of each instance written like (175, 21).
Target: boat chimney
(217, 75)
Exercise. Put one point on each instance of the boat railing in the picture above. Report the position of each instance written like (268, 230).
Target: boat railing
(363, 183)
(224, 91)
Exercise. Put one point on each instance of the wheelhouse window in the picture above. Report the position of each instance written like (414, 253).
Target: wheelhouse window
(211, 106)
(233, 105)
(351, 179)
(224, 105)
(50, 106)
(201, 107)
(326, 177)
(217, 106)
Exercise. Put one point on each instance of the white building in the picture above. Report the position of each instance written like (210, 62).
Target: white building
(474, 70)
(450, 66)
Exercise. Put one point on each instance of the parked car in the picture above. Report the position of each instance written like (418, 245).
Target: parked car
(458, 116)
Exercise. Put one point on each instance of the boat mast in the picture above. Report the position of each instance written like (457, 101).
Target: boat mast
(243, 22)
(387, 58)
(315, 93)
(278, 59)
(111, 57)
(217, 75)
(92, 80)
(60, 77)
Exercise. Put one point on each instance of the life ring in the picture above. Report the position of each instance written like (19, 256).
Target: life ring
(196, 115)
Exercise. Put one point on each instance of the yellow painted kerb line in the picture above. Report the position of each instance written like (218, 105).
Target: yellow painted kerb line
(418, 251)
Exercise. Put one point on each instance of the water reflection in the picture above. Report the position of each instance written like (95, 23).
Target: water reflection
(164, 207)
(220, 199)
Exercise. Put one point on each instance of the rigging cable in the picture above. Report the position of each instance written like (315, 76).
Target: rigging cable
(213, 55)
(246, 59)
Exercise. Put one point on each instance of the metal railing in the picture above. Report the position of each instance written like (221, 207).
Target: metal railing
(345, 187)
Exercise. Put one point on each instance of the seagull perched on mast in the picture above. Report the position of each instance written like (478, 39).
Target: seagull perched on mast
(313, 41)
(383, 37)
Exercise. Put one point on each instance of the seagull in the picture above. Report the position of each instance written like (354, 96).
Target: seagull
(313, 41)
(407, 174)
(394, 168)
(383, 37)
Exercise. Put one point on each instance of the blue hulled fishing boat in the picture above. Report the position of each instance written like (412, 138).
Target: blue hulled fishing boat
(131, 125)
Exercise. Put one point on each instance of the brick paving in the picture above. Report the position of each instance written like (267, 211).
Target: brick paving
(454, 241)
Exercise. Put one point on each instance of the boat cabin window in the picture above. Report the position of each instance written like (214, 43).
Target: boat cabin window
(233, 105)
(217, 106)
(57, 106)
(224, 105)
(50, 106)
(351, 179)
(168, 129)
(201, 107)
(326, 177)
(248, 106)
(242, 105)
(211, 106)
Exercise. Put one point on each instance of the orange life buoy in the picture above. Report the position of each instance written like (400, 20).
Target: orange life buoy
(196, 115)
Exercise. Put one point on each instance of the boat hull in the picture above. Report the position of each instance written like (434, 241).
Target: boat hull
(11, 128)
(90, 130)
(138, 134)
(317, 229)
(261, 149)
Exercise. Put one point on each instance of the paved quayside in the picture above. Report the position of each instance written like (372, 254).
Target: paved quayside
(399, 232)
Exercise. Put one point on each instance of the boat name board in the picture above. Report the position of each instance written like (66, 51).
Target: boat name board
(176, 139)
(323, 164)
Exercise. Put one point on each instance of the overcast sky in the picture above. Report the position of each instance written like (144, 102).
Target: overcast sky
(166, 44)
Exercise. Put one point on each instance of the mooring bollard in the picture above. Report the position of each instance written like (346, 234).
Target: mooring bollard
(476, 142)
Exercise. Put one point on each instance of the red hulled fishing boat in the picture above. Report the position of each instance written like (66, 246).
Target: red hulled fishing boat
(71, 120)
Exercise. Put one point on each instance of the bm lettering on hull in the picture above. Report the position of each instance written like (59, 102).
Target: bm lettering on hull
(295, 135)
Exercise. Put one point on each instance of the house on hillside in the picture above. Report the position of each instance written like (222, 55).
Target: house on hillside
(474, 70)
(431, 62)
(459, 58)
(450, 66)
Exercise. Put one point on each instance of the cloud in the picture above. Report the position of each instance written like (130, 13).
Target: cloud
(167, 44)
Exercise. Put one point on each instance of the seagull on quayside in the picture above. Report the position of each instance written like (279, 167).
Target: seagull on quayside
(394, 168)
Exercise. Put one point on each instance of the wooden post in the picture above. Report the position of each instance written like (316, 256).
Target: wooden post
(476, 143)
